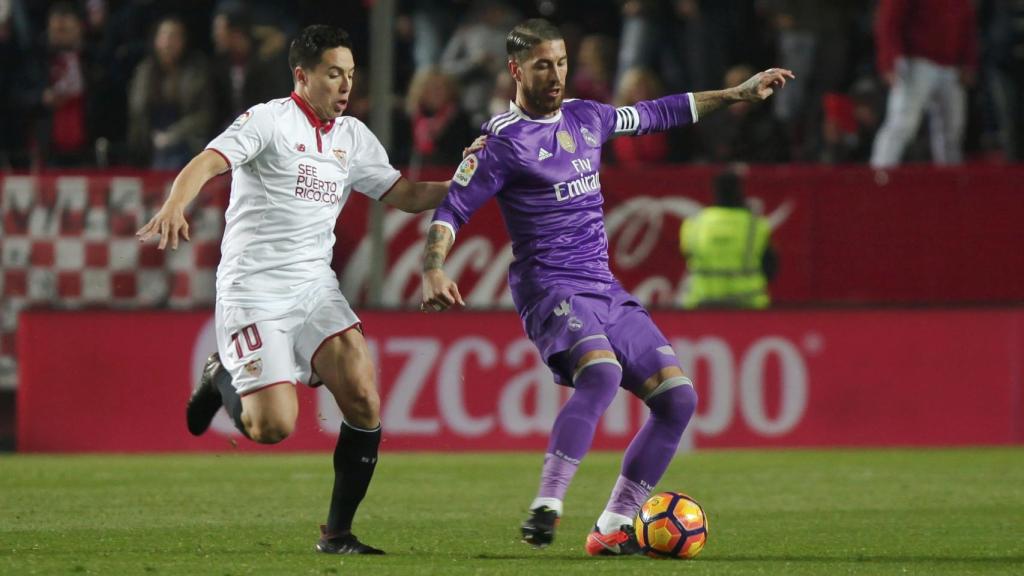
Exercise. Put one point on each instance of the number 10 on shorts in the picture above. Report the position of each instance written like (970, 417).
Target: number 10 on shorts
(251, 335)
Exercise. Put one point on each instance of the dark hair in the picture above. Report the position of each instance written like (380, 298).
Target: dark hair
(309, 46)
(237, 19)
(526, 35)
(729, 189)
(64, 8)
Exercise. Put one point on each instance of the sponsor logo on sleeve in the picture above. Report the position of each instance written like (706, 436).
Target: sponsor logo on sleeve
(464, 173)
(241, 120)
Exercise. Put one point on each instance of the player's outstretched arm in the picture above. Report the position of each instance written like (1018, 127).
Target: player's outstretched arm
(416, 197)
(170, 221)
(439, 291)
(757, 88)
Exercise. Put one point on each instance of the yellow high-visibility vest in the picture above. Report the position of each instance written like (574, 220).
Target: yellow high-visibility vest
(723, 249)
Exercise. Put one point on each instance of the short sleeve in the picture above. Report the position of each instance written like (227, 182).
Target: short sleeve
(372, 173)
(247, 136)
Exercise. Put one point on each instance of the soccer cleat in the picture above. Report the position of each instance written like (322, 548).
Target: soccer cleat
(539, 528)
(205, 399)
(344, 544)
(622, 542)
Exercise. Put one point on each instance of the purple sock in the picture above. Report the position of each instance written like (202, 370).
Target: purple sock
(653, 447)
(627, 497)
(574, 428)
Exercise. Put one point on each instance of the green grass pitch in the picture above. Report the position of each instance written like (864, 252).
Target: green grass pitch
(772, 512)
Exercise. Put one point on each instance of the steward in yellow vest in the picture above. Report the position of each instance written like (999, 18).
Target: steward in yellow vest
(728, 252)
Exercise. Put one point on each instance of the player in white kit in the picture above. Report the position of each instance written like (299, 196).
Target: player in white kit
(280, 316)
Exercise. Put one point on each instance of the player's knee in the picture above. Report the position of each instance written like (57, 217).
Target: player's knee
(270, 430)
(362, 407)
(675, 402)
(597, 382)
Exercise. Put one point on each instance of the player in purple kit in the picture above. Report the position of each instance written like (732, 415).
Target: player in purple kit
(542, 163)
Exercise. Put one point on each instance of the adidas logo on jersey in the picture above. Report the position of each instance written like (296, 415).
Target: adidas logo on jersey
(544, 154)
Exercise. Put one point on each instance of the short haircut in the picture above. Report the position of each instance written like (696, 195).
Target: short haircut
(237, 19)
(64, 8)
(728, 187)
(309, 46)
(528, 34)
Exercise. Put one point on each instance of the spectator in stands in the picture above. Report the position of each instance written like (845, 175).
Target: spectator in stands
(850, 123)
(728, 251)
(245, 73)
(502, 94)
(120, 36)
(170, 103)
(744, 132)
(15, 45)
(54, 86)
(644, 36)
(426, 23)
(814, 41)
(440, 128)
(592, 73)
(636, 85)
(476, 54)
(1003, 24)
(927, 52)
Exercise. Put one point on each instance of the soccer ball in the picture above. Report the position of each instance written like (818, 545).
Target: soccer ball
(671, 525)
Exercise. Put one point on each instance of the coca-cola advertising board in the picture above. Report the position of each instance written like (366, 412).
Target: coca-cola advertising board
(843, 235)
(109, 381)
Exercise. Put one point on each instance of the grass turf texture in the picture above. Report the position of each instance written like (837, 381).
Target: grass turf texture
(772, 512)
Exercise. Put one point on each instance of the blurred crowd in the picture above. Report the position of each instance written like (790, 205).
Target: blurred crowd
(99, 83)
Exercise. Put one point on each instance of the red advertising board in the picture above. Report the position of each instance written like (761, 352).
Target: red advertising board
(844, 235)
(109, 381)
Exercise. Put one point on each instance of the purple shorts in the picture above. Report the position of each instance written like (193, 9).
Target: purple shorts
(564, 317)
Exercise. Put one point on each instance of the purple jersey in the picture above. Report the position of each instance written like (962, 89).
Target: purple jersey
(545, 175)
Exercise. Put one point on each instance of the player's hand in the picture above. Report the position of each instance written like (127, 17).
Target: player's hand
(169, 223)
(477, 144)
(763, 84)
(439, 292)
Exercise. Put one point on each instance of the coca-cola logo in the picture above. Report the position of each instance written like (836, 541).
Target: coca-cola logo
(636, 230)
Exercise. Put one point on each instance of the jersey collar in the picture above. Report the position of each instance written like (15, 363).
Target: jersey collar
(519, 112)
(320, 125)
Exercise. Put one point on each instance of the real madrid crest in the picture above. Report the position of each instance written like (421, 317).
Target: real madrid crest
(566, 141)
(588, 137)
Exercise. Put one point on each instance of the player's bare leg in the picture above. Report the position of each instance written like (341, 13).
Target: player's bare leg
(343, 363)
(269, 414)
(670, 396)
(266, 416)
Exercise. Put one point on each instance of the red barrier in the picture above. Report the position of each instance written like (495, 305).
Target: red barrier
(103, 381)
(846, 235)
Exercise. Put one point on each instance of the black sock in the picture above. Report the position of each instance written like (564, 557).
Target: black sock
(355, 458)
(230, 398)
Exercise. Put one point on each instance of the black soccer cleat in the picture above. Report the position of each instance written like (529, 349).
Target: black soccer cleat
(539, 528)
(344, 544)
(205, 399)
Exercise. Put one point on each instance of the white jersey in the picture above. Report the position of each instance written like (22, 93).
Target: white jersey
(290, 176)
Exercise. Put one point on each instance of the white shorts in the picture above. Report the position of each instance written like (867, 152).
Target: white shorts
(261, 349)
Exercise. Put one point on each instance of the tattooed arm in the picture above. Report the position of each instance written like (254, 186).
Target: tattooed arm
(757, 88)
(439, 291)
